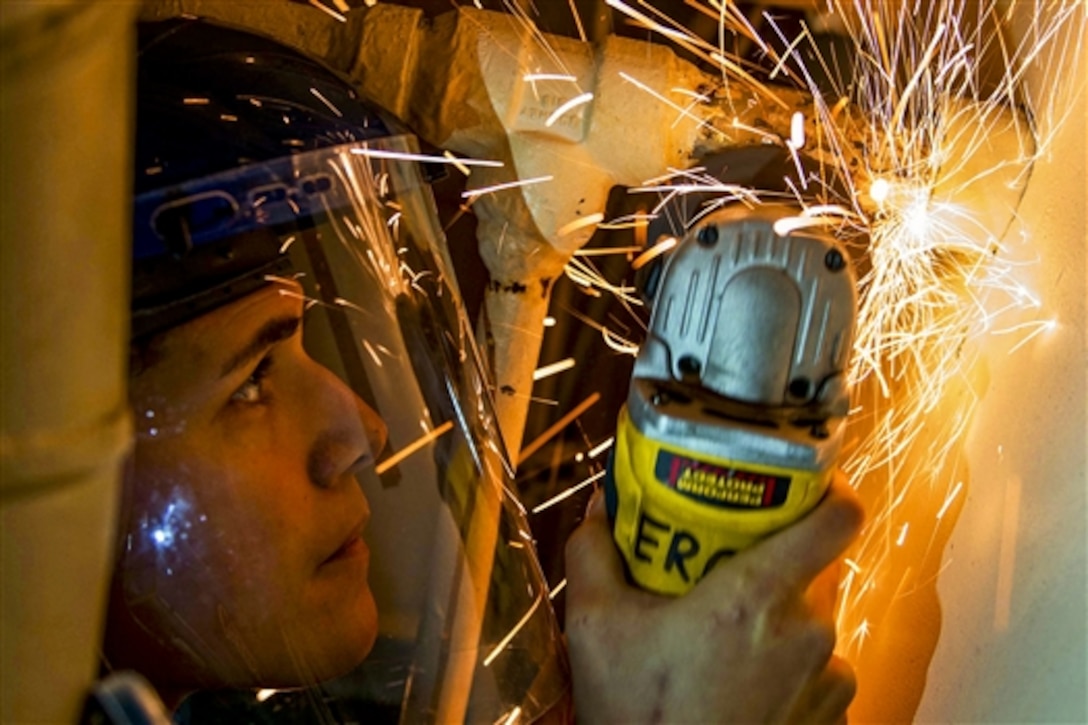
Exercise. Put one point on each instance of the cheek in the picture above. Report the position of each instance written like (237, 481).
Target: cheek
(203, 542)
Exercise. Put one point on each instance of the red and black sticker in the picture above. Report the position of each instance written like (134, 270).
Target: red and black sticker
(724, 487)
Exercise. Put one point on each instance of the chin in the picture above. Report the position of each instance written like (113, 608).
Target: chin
(344, 645)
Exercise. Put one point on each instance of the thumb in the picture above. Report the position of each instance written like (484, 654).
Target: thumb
(593, 562)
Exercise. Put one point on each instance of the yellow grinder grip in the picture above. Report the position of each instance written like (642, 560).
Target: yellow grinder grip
(676, 512)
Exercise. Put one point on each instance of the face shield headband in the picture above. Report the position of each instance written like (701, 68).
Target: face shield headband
(310, 375)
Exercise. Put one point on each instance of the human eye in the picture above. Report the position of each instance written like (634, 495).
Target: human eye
(253, 391)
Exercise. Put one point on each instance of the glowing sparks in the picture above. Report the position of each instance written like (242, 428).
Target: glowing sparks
(512, 633)
(797, 131)
(476, 193)
(949, 499)
(654, 252)
(534, 77)
(564, 108)
(264, 694)
(328, 11)
(331, 106)
(590, 220)
(680, 110)
(879, 191)
(1034, 329)
(559, 425)
(568, 492)
(904, 151)
(512, 717)
(425, 158)
(457, 163)
(601, 447)
(605, 251)
(413, 447)
(553, 369)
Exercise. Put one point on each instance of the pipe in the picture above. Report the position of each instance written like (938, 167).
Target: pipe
(65, 68)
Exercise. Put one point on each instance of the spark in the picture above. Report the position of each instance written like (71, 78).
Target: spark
(797, 130)
(465, 170)
(553, 369)
(412, 447)
(861, 633)
(559, 425)
(513, 632)
(604, 251)
(618, 343)
(321, 97)
(425, 158)
(949, 499)
(573, 103)
(476, 193)
(1037, 328)
(568, 492)
(534, 77)
(653, 252)
(897, 151)
(787, 225)
(601, 447)
(511, 718)
(264, 694)
(683, 112)
(328, 11)
(879, 191)
(587, 221)
(373, 353)
(558, 588)
(581, 272)
(631, 221)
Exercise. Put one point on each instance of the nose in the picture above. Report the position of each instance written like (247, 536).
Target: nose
(349, 434)
(377, 432)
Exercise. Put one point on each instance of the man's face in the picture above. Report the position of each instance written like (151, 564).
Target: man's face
(243, 553)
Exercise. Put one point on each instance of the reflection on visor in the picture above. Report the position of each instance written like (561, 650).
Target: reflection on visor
(342, 396)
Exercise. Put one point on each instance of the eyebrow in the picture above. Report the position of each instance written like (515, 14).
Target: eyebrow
(271, 332)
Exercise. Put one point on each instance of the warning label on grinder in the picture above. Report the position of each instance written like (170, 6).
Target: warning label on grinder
(718, 486)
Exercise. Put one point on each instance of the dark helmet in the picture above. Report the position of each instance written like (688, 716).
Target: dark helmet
(211, 99)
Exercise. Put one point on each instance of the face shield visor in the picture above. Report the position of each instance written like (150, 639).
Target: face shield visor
(318, 502)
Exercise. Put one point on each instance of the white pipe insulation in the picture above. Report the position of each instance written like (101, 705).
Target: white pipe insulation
(66, 80)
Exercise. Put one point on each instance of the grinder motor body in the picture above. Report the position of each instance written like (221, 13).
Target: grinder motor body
(735, 414)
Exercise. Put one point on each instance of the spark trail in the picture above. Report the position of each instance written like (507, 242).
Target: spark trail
(922, 155)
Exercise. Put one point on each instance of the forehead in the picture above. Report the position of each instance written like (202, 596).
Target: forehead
(201, 347)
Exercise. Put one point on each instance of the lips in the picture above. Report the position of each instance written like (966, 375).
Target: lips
(351, 546)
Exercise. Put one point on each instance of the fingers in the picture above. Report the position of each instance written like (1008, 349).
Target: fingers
(827, 697)
(592, 559)
(795, 555)
(823, 594)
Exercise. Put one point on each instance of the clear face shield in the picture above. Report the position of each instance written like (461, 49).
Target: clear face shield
(318, 513)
